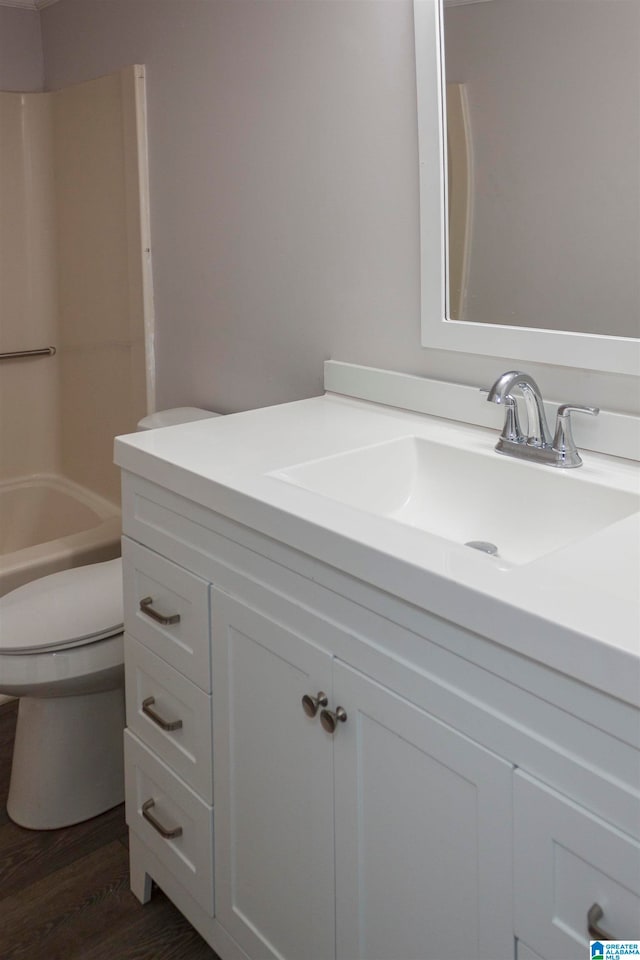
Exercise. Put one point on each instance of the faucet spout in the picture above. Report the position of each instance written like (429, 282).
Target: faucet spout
(536, 444)
(538, 433)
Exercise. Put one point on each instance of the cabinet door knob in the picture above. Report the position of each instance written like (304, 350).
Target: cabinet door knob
(167, 833)
(594, 916)
(157, 719)
(145, 607)
(311, 705)
(330, 720)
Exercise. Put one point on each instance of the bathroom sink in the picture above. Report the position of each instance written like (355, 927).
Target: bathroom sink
(465, 496)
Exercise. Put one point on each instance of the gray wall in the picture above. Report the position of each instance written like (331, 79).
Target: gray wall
(21, 66)
(284, 192)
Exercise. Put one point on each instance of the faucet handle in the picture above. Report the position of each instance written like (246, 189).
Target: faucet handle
(512, 430)
(565, 409)
(564, 445)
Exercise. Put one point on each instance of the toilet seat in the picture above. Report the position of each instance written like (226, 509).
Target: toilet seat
(64, 610)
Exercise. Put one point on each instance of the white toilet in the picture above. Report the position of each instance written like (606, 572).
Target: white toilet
(61, 652)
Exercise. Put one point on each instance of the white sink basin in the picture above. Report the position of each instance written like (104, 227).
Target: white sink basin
(525, 510)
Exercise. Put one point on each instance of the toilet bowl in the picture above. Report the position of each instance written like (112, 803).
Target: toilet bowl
(61, 653)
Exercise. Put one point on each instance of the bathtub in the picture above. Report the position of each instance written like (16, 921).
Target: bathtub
(49, 523)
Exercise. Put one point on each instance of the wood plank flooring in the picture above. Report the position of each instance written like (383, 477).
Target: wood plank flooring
(64, 894)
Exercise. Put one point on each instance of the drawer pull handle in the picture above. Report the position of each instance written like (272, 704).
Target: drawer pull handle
(160, 721)
(145, 606)
(167, 834)
(594, 916)
(330, 720)
(310, 704)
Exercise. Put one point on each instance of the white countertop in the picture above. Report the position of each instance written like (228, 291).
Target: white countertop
(576, 609)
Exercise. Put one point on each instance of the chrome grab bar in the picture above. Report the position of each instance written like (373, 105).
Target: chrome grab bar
(14, 354)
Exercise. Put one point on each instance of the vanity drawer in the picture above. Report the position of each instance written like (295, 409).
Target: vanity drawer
(152, 791)
(167, 609)
(567, 860)
(171, 715)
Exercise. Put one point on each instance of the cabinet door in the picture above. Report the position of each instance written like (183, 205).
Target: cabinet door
(273, 782)
(566, 861)
(423, 834)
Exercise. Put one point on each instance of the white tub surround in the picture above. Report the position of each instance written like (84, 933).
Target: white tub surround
(382, 697)
(49, 524)
(75, 273)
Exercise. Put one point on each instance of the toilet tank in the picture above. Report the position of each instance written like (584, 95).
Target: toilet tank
(173, 416)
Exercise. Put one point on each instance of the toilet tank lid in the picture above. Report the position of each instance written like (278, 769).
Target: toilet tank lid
(65, 609)
(173, 416)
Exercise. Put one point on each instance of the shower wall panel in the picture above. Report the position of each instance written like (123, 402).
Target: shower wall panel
(73, 263)
(101, 310)
(29, 408)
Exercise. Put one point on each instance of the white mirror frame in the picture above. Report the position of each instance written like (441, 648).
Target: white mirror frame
(587, 351)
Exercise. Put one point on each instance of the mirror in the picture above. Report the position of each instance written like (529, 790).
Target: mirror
(529, 124)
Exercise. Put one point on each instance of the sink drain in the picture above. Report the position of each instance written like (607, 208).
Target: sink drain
(483, 545)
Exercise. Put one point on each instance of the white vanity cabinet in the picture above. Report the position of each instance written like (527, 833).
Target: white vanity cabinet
(274, 832)
(168, 754)
(418, 815)
(467, 788)
(423, 833)
(569, 863)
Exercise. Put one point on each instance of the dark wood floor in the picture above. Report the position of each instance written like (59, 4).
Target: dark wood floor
(64, 894)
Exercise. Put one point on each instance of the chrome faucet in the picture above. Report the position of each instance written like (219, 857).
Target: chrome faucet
(536, 444)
